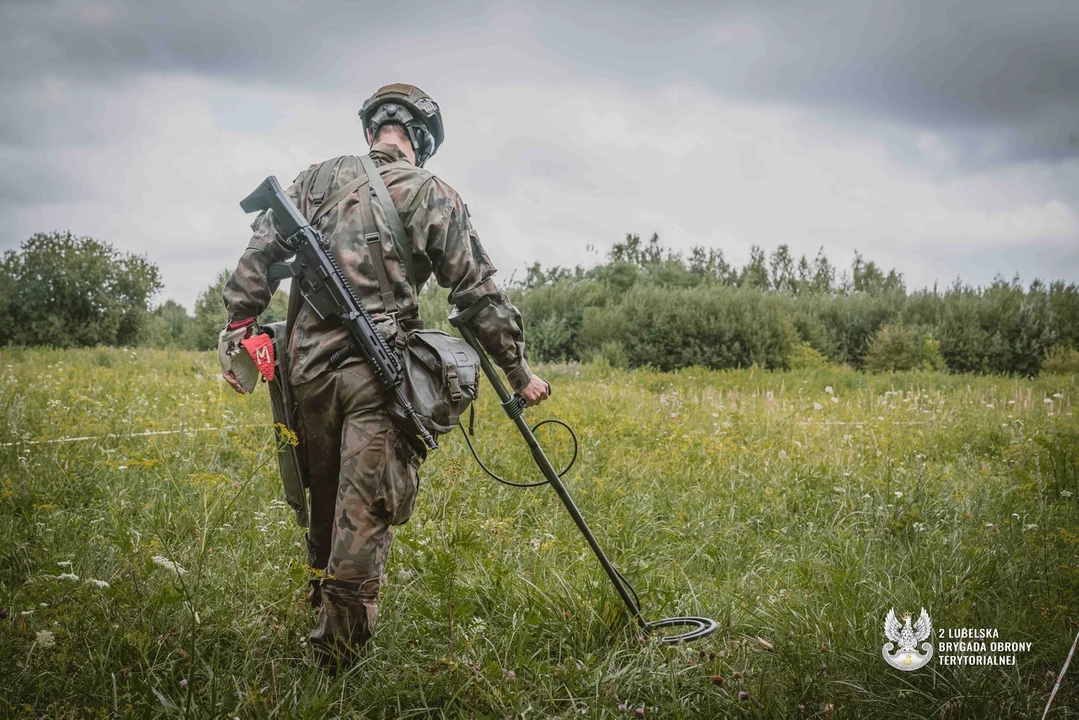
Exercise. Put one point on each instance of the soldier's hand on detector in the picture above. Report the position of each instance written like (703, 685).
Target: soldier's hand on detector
(536, 391)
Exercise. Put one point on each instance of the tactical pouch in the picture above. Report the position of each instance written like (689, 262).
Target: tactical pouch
(441, 378)
(294, 480)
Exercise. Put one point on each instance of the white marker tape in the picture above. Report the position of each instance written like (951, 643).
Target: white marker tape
(147, 433)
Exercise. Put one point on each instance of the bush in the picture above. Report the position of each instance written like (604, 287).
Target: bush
(895, 349)
(66, 291)
(709, 326)
(805, 357)
(1061, 361)
(611, 352)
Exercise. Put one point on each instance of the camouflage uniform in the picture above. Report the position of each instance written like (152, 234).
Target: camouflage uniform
(363, 474)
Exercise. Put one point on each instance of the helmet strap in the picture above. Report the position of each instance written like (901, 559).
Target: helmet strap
(422, 143)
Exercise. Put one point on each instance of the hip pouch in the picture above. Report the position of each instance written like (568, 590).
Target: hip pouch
(441, 379)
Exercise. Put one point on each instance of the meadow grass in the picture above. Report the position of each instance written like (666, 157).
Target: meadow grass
(794, 516)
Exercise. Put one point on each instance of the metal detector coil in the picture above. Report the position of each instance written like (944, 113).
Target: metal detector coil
(514, 407)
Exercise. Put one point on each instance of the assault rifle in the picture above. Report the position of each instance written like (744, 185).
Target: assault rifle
(324, 286)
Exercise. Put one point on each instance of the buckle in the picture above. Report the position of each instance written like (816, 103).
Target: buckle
(371, 238)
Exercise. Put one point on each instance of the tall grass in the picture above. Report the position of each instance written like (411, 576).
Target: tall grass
(795, 516)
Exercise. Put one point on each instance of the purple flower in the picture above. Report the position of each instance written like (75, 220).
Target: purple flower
(640, 712)
(511, 676)
(622, 707)
(743, 695)
(183, 683)
(3, 613)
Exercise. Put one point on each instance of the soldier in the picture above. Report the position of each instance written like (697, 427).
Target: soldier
(362, 469)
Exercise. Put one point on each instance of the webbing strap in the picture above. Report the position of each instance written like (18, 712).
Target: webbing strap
(333, 200)
(378, 259)
(397, 228)
(321, 180)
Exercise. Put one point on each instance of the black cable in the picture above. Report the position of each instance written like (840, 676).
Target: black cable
(502, 480)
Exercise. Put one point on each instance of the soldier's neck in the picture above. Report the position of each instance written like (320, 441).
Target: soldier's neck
(401, 144)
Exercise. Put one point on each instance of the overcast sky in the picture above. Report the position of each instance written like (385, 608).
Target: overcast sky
(940, 138)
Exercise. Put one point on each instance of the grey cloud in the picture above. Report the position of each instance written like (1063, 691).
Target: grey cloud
(999, 78)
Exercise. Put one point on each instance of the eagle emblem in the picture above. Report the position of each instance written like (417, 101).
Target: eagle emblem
(906, 637)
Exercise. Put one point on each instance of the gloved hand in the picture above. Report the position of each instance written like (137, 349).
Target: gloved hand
(237, 367)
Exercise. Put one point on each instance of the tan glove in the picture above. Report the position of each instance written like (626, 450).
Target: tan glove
(237, 367)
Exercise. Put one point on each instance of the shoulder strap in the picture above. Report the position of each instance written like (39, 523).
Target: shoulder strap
(374, 245)
(397, 228)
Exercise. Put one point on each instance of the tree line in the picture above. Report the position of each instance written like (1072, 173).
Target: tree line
(647, 305)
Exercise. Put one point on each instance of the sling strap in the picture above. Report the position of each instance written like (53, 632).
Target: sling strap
(374, 245)
(397, 228)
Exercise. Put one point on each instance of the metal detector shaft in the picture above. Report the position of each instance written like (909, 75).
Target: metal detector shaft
(514, 405)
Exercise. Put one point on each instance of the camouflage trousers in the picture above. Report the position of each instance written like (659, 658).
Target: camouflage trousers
(363, 480)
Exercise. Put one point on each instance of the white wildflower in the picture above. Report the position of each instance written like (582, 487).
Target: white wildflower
(64, 564)
(829, 390)
(817, 406)
(121, 467)
(45, 639)
(1058, 395)
(782, 454)
(898, 494)
(97, 583)
(68, 576)
(835, 399)
(989, 524)
(1031, 526)
(1065, 493)
(1047, 400)
(919, 527)
(164, 562)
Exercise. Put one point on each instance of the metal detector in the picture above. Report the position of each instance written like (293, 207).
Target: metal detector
(514, 406)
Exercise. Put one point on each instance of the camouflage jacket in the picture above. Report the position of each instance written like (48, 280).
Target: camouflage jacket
(443, 244)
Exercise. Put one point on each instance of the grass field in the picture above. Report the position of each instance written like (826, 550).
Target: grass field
(793, 515)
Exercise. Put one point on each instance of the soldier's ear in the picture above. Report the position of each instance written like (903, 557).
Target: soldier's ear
(370, 136)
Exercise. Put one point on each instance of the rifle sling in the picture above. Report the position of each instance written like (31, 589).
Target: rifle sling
(397, 228)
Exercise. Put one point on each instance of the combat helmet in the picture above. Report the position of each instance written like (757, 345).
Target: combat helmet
(411, 107)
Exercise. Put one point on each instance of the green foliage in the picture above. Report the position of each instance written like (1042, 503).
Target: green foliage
(1003, 328)
(210, 316)
(554, 317)
(569, 314)
(1061, 361)
(804, 356)
(66, 291)
(169, 326)
(712, 327)
(897, 349)
(435, 306)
